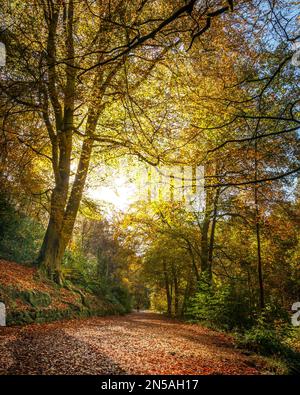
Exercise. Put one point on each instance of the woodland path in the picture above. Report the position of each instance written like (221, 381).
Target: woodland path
(138, 343)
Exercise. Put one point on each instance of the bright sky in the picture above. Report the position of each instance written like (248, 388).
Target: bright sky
(121, 195)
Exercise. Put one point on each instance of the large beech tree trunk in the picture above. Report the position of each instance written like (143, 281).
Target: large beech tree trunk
(58, 114)
(52, 250)
(62, 218)
(60, 134)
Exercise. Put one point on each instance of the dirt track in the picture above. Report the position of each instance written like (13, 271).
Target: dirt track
(139, 343)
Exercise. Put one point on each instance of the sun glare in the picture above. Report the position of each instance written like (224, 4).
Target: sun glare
(121, 194)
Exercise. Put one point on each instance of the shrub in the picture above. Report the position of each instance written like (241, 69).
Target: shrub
(259, 339)
(272, 337)
(123, 296)
(220, 307)
(78, 269)
(20, 235)
(82, 272)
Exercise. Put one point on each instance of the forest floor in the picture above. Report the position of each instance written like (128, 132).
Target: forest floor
(138, 343)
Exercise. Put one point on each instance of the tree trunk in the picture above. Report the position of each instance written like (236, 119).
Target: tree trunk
(54, 244)
(205, 268)
(187, 293)
(62, 218)
(206, 242)
(51, 253)
(167, 287)
(259, 260)
(213, 230)
(257, 229)
(196, 271)
(176, 291)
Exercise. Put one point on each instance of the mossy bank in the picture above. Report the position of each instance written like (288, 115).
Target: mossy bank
(29, 298)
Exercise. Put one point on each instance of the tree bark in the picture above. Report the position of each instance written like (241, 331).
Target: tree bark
(213, 229)
(63, 208)
(187, 293)
(209, 224)
(176, 291)
(257, 230)
(65, 203)
(259, 259)
(167, 287)
(194, 265)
